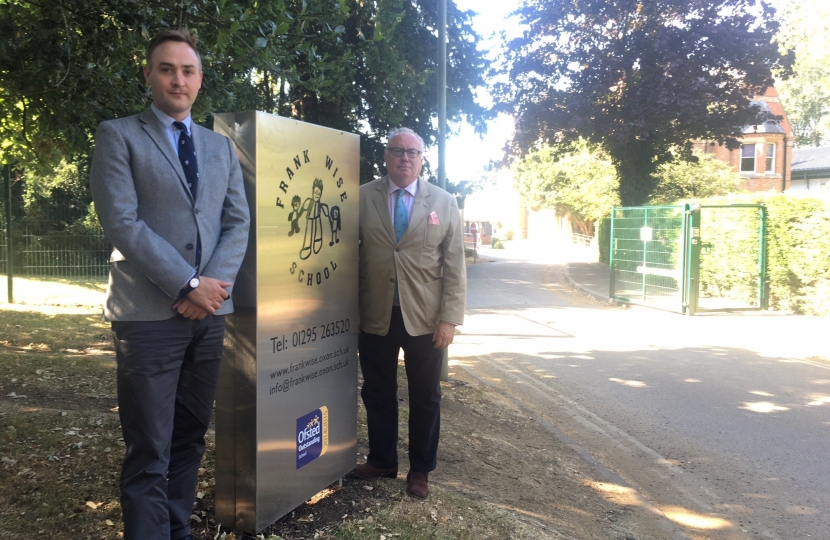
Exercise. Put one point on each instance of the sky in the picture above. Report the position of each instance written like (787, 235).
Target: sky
(467, 153)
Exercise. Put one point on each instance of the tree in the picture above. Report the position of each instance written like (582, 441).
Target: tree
(806, 95)
(703, 177)
(351, 65)
(806, 98)
(583, 185)
(580, 184)
(65, 66)
(392, 78)
(640, 79)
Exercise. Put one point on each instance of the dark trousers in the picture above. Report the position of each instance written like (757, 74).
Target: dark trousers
(167, 374)
(379, 364)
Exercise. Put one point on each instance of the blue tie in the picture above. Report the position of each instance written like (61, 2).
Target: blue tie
(187, 157)
(401, 223)
(401, 218)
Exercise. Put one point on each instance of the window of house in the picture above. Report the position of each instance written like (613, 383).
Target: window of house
(770, 158)
(748, 158)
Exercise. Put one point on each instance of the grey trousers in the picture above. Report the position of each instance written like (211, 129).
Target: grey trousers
(167, 375)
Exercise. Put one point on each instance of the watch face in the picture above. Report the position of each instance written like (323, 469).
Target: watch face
(194, 283)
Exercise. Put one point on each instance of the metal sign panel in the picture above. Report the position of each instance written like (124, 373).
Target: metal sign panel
(286, 414)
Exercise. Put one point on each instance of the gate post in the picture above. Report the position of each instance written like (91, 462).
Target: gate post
(763, 282)
(9, 243)
(611, 260)
(691, 283)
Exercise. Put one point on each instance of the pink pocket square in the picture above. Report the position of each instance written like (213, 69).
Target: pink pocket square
(433, 219)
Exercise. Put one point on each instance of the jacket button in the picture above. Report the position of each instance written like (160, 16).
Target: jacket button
(397, 249)
(188, 247)
(196, 210)
(392, 280)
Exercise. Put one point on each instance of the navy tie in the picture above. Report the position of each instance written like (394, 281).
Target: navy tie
(401, 223)
(187, 157)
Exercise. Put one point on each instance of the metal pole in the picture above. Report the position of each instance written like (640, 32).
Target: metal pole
(685, 246)
(612, 289)
(645, 256)
(442, 93)
(9, 246)
(694, 237)
(442, 127)
(763, 282)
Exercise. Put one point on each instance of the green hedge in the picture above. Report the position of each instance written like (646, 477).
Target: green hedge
(604, 239)
(798, 250)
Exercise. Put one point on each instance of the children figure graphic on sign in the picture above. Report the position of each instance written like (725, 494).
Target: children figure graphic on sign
(334, 220)
(314, 211)
(294, 216)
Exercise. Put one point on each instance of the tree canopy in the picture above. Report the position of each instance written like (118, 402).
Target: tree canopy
(347, 64)
(638, 78)
(701, 178)
(580, 182)
(806, 95)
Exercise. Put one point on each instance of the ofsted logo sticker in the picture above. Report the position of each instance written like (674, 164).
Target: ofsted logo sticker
(312, 436)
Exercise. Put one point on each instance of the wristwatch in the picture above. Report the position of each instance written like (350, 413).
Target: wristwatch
(192, 284)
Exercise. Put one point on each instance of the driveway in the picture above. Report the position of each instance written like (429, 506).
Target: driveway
(718, 424)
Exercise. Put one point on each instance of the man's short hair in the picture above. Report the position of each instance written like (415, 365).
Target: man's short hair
(182, 36)
(398, 131)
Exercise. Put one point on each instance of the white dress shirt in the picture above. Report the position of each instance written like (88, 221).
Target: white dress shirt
(410, 192)
(171, 132)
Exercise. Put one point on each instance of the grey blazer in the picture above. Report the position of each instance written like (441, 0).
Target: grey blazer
(150, 217)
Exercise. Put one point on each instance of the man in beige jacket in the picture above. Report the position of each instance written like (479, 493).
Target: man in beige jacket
(413, 286)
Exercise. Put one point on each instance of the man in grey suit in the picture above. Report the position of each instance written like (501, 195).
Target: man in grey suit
(412, 294)
(170, 197)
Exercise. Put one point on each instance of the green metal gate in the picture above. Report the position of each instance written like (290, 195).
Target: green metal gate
(647, 255)
(661, 256)
(733, 273)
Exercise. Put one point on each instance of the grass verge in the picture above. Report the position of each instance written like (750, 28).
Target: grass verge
(61, 446)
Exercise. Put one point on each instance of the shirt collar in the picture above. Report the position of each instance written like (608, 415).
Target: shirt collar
(411, 188)
(167, 120)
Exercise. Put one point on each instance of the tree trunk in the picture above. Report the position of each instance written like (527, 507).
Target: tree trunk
(635, 163)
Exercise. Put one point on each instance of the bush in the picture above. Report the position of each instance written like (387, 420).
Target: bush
(604, 239)
(498, 245)
(508, 236)
(493, 241)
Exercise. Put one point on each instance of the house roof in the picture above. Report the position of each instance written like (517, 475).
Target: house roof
(770, 126)
(811, 158)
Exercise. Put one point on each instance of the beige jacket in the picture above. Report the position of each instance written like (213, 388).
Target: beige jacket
(428, 262)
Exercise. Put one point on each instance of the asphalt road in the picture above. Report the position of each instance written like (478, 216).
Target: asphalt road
(718, 424)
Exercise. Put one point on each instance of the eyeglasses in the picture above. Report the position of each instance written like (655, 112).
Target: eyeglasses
(398, 152)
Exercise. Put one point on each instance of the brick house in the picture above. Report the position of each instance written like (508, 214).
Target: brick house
(765, 158)
(811, 168)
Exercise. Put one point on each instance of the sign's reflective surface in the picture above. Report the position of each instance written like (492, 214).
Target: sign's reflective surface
(287, 402)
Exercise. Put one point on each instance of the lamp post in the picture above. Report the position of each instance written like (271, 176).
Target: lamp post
(442, 126)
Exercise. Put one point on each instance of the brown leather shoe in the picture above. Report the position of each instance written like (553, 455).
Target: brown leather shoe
(368, 471)
(417, 484)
